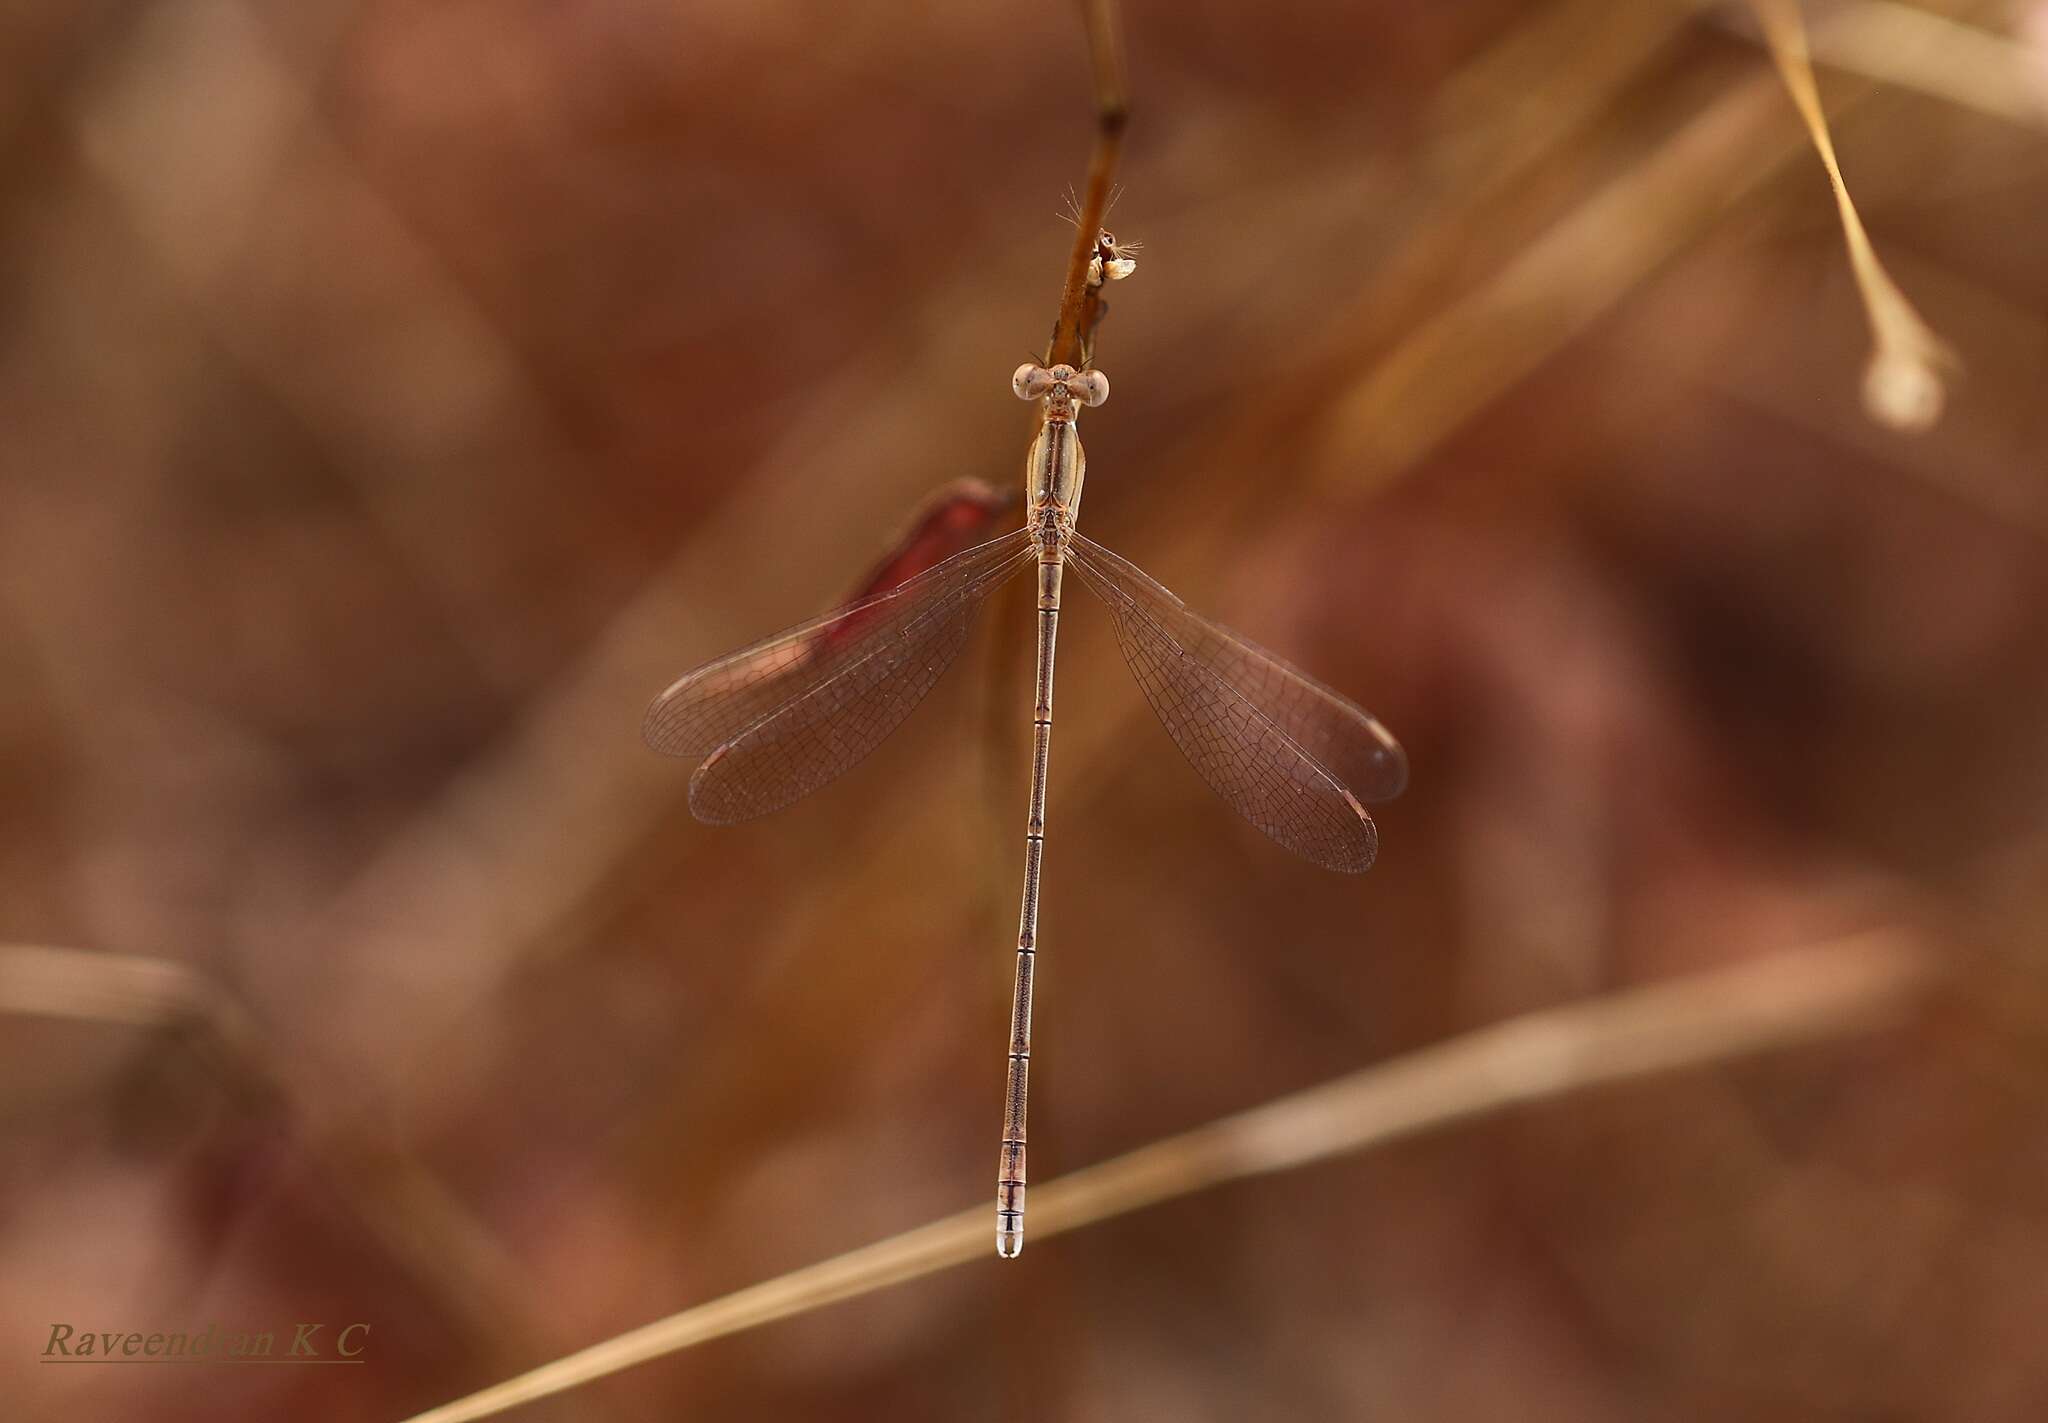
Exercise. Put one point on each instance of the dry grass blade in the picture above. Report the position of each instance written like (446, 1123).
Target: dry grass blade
(1936, 55)
(134, 991)
(1791, 998)
(111, 988)
(1903, 384)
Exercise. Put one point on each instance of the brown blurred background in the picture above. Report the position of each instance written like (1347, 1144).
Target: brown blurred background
(397, 393)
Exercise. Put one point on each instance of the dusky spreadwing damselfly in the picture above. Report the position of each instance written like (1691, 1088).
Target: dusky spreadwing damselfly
(774, 721)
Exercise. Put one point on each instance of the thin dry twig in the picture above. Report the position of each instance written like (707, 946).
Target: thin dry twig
(1903, 384)
(1804, 996)
(1080, 304)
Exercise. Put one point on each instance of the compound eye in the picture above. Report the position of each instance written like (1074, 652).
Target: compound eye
(1031, 381)
(1090, 387)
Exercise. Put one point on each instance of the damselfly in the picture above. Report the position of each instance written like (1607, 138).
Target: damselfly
(775, 721)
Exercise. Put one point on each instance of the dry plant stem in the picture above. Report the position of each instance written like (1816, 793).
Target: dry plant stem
(1902, 386)
(1080, 304)
(1445, 368)
(1807, 995)
(1936, 55)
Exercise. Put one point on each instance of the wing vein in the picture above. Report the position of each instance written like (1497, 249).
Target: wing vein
(1192, 672)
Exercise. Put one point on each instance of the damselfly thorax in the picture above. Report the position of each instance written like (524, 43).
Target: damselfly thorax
(1056, 465)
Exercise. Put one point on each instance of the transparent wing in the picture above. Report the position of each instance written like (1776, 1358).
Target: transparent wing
(776, 720)
(1289, 755)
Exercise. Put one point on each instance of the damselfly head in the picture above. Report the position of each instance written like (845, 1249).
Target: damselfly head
(1062, 385)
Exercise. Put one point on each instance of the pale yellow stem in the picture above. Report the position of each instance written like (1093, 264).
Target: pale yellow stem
(1903, 385)
(1763, 1004)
